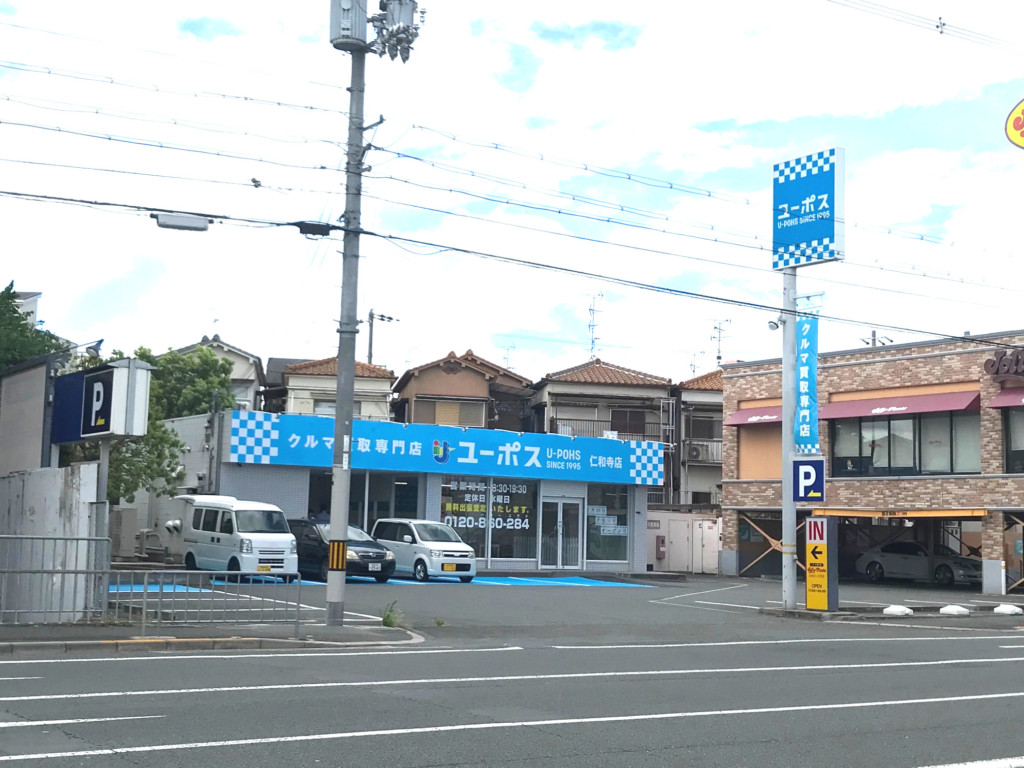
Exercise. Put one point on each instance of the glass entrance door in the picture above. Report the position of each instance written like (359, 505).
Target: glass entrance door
(560, 533)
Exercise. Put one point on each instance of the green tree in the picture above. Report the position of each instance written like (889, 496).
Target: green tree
(19, 340)
(185, 385)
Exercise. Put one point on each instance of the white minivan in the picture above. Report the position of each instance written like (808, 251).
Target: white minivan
(222, 533)
(425, 548)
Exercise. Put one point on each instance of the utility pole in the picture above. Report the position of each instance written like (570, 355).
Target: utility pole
(375, 316)
(396, 32)
(717, 331)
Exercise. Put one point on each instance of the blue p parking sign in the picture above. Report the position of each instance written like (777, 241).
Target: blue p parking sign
(809, 478)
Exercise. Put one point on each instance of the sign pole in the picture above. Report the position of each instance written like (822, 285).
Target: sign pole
(788, 439)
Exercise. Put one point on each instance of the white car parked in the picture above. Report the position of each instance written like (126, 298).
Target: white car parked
(909, 560)
(425, 548)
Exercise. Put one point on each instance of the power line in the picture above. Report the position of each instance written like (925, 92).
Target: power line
(685, 294)
(519, 262)
(107, 80)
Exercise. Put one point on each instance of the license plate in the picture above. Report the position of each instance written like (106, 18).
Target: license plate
(448, 566)
(263, 568)
(374, 566)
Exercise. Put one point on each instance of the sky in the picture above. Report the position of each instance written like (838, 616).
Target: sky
(621, 157)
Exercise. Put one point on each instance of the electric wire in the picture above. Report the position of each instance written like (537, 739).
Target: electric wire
(441, 247)
(625, 282)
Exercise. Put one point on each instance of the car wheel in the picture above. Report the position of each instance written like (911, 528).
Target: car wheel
(419, 571)
(190, 562)
(944, 575)
(382, 579)
(323, 570)
(874, 571)
(465, 579)
(234, 566)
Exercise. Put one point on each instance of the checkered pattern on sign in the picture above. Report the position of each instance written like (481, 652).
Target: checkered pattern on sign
(802, 167)
(646, 463)
(804, 253)
(253, 437)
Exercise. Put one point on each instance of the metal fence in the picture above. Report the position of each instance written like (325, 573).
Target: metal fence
(58, 580)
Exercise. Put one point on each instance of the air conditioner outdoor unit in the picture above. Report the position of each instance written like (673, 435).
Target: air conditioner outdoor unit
(697, 453)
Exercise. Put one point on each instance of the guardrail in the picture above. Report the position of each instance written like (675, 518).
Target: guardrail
(58, 580)
(162, 598)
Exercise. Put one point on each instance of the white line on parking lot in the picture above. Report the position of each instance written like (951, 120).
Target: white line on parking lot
(76, 721)
(728, 605)
(20, 678)
(363, 684)
(793, 641)
(691, 594)
(1006, 762)
(512, 724)
(276, 654)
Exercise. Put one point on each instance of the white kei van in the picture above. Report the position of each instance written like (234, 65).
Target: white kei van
(222, 533)
(425, 548)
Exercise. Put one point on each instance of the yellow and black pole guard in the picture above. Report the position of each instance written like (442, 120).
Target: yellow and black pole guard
(337, 555)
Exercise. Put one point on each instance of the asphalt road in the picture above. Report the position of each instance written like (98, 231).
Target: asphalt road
(673, 675)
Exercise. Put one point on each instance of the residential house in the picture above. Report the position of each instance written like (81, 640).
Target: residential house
(466, 391)
(247, 377)
(312, 387)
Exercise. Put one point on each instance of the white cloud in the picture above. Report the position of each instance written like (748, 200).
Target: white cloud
(708, 97)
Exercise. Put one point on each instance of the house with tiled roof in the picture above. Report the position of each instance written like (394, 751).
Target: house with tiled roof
(598, 398)
(463, 390)
(311, 388)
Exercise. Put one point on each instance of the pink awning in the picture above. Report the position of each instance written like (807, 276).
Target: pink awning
(1008, 398)
(901, 406)
(768, 415)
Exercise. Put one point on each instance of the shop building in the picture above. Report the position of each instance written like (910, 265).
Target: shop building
(923, 442)
(522, 500)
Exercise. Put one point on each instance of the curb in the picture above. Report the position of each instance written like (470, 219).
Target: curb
(154, 644)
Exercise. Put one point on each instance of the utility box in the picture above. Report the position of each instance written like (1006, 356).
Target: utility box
(348, 24)
(660, 549)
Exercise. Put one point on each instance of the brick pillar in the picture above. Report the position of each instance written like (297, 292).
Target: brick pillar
(729, 559)
(993, 574)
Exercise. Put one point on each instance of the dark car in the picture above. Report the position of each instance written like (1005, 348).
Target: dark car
(365, 556)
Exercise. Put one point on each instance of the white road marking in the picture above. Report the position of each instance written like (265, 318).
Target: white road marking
(76, 721)
(363, 684)
(1011, 646)
(691, 605)
(794, 641)
(944, 627)
(511, 724)
(691, 594)
(729, 605)
(283, 652)
(1006, 762)
(20, 678)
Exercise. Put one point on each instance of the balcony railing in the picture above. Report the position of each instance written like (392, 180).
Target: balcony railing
(697, 450)
(699, 499)
(598, 427)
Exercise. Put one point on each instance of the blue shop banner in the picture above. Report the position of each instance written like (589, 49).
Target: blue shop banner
(308, 441)
(805, 423)
(807, 225)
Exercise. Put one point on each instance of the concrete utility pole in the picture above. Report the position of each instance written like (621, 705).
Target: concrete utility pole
(375, 316)
(396, 32)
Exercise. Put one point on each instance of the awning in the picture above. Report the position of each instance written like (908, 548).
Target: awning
(1008, 398)
(901, 406)
(943, 513)
(769, 415)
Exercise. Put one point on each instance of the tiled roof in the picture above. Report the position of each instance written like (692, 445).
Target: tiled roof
(599, 372)
(329, 367)
(709, 382)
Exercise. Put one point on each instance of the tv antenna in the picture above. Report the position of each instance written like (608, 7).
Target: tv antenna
(592, 326)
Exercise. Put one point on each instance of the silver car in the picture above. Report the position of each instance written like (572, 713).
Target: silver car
(909, 560)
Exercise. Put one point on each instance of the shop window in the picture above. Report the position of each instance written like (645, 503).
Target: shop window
(472, 505)
(932, 443)
(1015, 440)
(608, 522)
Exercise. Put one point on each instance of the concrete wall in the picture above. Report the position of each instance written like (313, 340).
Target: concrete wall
(53, 505)
(22, 408)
